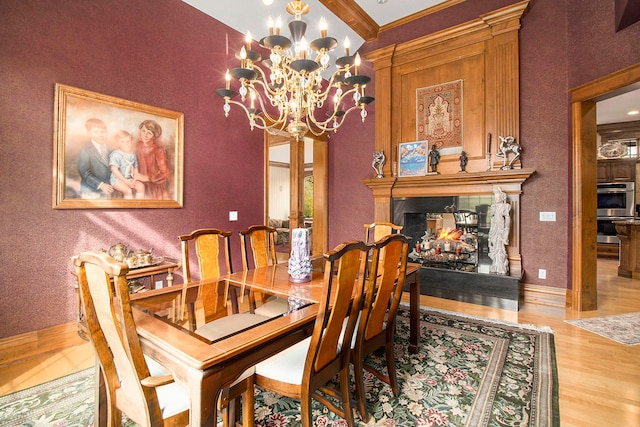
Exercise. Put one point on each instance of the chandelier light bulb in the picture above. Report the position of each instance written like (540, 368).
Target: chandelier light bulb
(278, 25)
(270, 24)
(248, 40)
(323, 27)
(347, 45)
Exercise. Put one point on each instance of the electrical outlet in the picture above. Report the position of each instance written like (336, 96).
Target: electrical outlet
(547, 216)
(158, 284)
(233, 215)
(542, 273)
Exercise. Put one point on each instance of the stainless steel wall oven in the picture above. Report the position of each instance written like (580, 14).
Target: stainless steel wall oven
(616, 201)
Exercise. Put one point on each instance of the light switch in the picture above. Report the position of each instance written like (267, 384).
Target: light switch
(233, 215)
(547, 216)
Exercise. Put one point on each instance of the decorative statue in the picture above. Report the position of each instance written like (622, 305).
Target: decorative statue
(499, 233)
(463, 161)
(434, 158)
(508, 145)
(379, 160)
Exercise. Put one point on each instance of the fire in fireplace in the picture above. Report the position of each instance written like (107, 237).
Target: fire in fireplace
(444, 235)
(444, 247)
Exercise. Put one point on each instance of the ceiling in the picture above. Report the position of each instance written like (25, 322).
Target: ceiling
(362, 20)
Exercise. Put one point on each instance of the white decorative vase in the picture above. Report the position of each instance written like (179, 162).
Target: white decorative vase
(300, 259)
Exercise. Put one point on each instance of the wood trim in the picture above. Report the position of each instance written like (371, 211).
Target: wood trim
(582, 295)
(31, 344)
(492, 40)
(320, 233)
(544, 295)
(607, 86)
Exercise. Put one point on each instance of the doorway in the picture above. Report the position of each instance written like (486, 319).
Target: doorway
(583, 294)
(296, 188)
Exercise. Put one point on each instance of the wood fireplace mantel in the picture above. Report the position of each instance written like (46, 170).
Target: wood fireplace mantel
(460, 184)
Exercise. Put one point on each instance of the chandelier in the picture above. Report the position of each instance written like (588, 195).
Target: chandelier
(288, 93)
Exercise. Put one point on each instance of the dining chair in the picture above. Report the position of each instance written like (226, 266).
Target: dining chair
(376, 324)
(304, 371)
(209, 313)
(135, 385)
(377, 230)
(212, 248)
(261, 241)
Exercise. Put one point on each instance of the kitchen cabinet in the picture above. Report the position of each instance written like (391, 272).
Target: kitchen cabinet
(629, 261)
(616, 170)
(608, 250)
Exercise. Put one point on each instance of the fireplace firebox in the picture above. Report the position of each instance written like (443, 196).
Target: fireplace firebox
(450, 240)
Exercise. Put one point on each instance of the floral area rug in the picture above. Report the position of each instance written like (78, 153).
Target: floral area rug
(622, 328)
(468, 372)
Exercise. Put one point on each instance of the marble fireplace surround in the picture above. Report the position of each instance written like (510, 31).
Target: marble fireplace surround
(461, 184)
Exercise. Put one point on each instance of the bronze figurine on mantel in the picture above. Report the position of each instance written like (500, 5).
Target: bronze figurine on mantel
(434, 159)
(463, 161)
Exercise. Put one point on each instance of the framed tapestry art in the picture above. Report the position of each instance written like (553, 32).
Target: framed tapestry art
(412, 158)
(114, 153)
(439, 116)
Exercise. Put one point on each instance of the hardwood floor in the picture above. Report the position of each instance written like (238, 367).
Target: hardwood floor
(599, 378)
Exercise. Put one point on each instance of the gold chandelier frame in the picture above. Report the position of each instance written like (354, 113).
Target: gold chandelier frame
(293, 96)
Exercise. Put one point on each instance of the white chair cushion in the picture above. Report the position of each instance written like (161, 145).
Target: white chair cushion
(229, 324)
(273, 307)
(173, 398)
(286, 366)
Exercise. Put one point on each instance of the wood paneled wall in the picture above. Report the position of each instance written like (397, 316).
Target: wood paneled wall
(484, 54)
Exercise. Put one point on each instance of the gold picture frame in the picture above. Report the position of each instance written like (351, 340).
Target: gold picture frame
(138, 146)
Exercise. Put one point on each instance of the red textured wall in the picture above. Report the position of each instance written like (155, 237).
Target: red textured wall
(166, 54)
(162, 53)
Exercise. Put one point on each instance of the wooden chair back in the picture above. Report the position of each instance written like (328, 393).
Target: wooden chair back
(212, 248)
(304, 371)
(377, 230)
(328, 355)
(376, 326)
(261, 239)
(130, 387)
(209, 313)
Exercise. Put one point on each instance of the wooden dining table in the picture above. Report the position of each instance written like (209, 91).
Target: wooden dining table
(276, 279)
(206, 367)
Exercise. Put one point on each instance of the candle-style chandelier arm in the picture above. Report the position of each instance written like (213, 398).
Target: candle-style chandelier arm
(258, 121)
(282, 113)
(333, 122)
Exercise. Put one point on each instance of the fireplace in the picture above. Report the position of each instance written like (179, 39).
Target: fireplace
(450, 240)
(447, 232)
(413, 201)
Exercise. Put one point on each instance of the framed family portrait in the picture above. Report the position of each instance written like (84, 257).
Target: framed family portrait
(412, 158)
(114, 153)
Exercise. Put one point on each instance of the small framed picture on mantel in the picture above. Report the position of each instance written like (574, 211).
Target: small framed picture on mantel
(412, 158)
